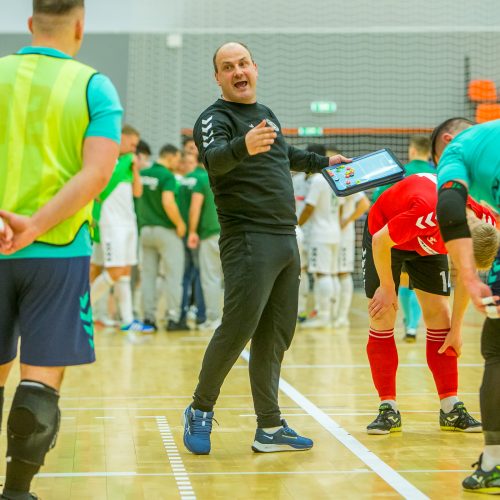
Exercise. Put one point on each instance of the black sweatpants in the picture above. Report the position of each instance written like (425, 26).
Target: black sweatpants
(490, 349)
(261, 276)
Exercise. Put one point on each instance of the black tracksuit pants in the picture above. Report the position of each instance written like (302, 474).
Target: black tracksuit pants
(490, 349)
(261, 275)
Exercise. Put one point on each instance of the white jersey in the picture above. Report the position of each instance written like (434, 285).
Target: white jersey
(118, 207)
(325, 219)
(301, 183)
(348, 208)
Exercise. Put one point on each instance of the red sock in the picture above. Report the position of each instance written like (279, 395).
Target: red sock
(444, 368)
(383, 357)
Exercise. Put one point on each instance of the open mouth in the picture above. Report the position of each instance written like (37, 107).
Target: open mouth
(241, 85)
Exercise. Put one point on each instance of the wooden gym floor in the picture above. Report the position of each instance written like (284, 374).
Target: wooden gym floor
(121, 433)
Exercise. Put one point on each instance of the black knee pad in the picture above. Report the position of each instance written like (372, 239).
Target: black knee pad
(33, 423)
(490, 340)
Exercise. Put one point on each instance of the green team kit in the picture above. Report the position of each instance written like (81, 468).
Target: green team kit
(150, 212)
(209, 222)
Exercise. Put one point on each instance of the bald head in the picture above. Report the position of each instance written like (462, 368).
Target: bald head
(229, 46)
(236, 73)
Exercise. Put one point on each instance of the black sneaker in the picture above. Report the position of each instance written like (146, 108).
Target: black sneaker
(388, 420)
(459, 419)
(483, 481)
(151, 323)
(19, 496)
(177, 326)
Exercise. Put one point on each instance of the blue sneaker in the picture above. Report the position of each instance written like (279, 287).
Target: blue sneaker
(137, 326)
(285, 439)
(197, 429)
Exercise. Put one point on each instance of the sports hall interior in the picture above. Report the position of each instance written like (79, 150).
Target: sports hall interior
(392, 69)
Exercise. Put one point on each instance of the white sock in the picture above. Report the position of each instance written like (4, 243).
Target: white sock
(100, 286)
(491, 457)
(323, 293)
(303, 291)
(124, 295)
(271, 430)
(345, 297)
(447, 403)
(391, 402)
(335, 296)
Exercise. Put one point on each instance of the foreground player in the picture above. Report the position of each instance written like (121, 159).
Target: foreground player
(402, 229)
(419, 150)
(61, 121)
(248, 163)
(471, 163)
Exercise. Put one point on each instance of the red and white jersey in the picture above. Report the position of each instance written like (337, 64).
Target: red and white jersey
(409, 210)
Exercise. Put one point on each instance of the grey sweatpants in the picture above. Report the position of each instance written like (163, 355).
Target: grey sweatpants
(211, 276)
(161, 244)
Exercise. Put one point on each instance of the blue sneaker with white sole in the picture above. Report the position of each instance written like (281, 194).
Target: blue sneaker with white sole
(285, 439)
(137, 326)
(197, 429)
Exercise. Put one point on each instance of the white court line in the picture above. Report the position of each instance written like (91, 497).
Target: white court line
(402, 365)
(49, 475)
(388, 474)
(134, 408)
(358, 414)
(234, 396)
(111, 398)
(178, 469)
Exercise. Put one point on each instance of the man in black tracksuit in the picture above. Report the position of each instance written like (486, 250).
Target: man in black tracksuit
(248, 162)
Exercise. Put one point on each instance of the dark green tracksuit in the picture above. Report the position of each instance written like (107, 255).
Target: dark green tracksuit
(259, 254)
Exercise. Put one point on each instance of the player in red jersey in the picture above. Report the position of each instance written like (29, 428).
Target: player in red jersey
(402, 229)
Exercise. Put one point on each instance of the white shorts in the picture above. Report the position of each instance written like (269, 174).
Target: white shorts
(323, 258)
(118, 247)
(346, 256)
(302, 243)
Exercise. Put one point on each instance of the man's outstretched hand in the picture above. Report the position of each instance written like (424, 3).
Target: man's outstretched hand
(260, 139)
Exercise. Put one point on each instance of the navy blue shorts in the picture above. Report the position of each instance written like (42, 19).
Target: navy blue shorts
(46, 303)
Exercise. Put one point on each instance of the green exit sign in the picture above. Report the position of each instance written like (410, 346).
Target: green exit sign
(323, 107)
(310, 131)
